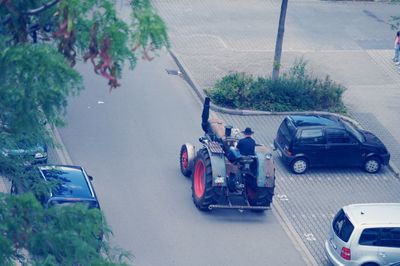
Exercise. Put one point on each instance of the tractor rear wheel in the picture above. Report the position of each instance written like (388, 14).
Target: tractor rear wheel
(259, 196)
(203, 193)
(184, 161)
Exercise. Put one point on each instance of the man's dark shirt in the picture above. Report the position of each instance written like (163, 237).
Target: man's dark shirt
(247, 146)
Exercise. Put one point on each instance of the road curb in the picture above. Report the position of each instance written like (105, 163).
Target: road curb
(60, 148)
(291, 232)
(394, 169)
(200, 93)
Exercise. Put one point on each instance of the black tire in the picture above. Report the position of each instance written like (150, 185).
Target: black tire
(259, 196)
(299, 165)
(184, 161)
(372, 165)
(203, 193)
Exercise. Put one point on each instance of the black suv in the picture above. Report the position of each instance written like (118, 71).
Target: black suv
(326, 140)
(72, 185)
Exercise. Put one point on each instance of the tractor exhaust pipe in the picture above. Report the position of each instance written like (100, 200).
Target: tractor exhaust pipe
(205, 115)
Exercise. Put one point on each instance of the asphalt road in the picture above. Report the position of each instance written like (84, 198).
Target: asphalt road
(129, 140)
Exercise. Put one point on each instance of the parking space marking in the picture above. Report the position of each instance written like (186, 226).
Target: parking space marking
(310, 237)
(282, 197)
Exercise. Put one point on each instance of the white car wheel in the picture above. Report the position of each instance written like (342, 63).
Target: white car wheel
(299, 166)
(372, 165)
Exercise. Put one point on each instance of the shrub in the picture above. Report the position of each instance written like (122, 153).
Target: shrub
(232, 90)
(296, 90)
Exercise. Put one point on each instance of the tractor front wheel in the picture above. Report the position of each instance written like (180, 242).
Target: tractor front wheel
(203, 193)
(184, 161)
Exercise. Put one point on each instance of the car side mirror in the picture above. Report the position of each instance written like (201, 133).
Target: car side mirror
(90, 178)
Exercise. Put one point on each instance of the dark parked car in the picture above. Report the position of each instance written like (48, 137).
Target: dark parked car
(72, 184)
(304, 141)
(30, 153)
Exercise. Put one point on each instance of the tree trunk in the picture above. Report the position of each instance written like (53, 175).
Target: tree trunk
(279, 41)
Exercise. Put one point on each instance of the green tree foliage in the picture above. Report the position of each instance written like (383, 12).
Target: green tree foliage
(30, 92)
(91, 30)
(61, 235)
(296, 90)
(31, 95)
(40, 43)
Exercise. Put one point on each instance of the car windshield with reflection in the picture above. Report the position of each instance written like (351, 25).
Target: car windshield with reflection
(69, 184)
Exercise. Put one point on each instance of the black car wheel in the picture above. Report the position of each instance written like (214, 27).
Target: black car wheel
(372, 165)
(299, 165)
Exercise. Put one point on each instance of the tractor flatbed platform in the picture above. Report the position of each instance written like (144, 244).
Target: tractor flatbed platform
(238, 207)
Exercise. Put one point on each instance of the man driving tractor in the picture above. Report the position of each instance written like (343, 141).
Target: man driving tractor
(247, 145)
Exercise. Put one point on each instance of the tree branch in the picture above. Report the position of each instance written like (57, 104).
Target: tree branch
(31, 12)
(40, 9)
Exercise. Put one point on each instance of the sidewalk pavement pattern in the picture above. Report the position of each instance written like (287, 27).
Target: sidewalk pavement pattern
(350, 41)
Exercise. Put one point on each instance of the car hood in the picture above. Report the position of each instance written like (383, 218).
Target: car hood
(371, 139)
(25, 151)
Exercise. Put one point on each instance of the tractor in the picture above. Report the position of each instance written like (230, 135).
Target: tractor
(221, 179)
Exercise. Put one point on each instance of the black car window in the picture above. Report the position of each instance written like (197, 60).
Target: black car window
(312, 136)
(342, 226)
(72, 182)
(390, 237)
(369, 237)
(286, 128)
(337, 135)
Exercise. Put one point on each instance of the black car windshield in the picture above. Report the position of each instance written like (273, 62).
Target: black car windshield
(72, 182)
(354, 131)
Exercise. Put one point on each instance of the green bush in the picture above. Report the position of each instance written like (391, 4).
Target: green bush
(296, 90)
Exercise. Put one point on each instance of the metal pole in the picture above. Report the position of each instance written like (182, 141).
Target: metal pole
(279, 41)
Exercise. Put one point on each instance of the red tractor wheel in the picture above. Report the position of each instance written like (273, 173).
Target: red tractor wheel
(259, 196)
(184, 161)
(202, 190)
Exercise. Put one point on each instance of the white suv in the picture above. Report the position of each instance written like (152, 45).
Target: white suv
(365, 235)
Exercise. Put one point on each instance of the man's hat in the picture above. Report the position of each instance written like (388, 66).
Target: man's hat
(247, 131)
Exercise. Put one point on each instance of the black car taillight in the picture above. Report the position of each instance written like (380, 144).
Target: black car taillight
(287, 150)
